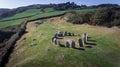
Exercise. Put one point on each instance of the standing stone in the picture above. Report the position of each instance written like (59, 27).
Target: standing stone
(67, 44)
(55, 35)
(60, 34)
(65, 33)
(85, 38)
(69, 34)
(53, 38)
(55, 41)
(33, 44)
(80, 42)
(72, 34)
(58, 42)
(73, 44)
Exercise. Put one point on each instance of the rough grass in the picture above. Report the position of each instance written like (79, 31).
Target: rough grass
(106, 52)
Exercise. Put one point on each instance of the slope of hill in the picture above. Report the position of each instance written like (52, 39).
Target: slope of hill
(3, 10)
(34, 14)
(105, 53)
(11, 24)
(62, 6)
(35, 48)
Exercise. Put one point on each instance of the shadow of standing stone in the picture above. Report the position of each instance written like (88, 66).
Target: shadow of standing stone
(61, 45)
(90, 43)
(88, 46)
(80, 48)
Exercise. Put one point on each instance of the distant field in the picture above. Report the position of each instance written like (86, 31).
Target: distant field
(37, 14)
(106, 52)
(88, 10)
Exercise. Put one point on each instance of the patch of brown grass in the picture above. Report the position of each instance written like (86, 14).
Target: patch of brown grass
(59, 59)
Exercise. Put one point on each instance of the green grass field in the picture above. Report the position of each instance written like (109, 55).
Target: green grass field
(37, 14)
(106, 52)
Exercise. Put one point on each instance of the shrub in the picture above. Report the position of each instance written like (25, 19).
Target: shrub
(106, 17)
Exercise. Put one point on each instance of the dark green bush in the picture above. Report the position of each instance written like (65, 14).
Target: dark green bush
(79, 18)
(106, 17)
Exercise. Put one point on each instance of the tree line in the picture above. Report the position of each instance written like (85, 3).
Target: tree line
(106, 17)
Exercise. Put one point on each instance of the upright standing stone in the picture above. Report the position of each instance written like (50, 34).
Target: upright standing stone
(58, 42)
(72, 34)
(73, 44)
(60, 34)
(53, 38)
(85, 38)
(33, 44)
(65, 33)
(55, 41)
(55, 35)
(80, 42)
(69, 34)
(67, 44)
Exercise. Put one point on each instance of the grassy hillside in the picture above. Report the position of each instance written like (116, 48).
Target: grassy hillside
(34, 13)
(106, 52)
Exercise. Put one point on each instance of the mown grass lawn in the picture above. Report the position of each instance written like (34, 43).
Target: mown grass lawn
(106, 52)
